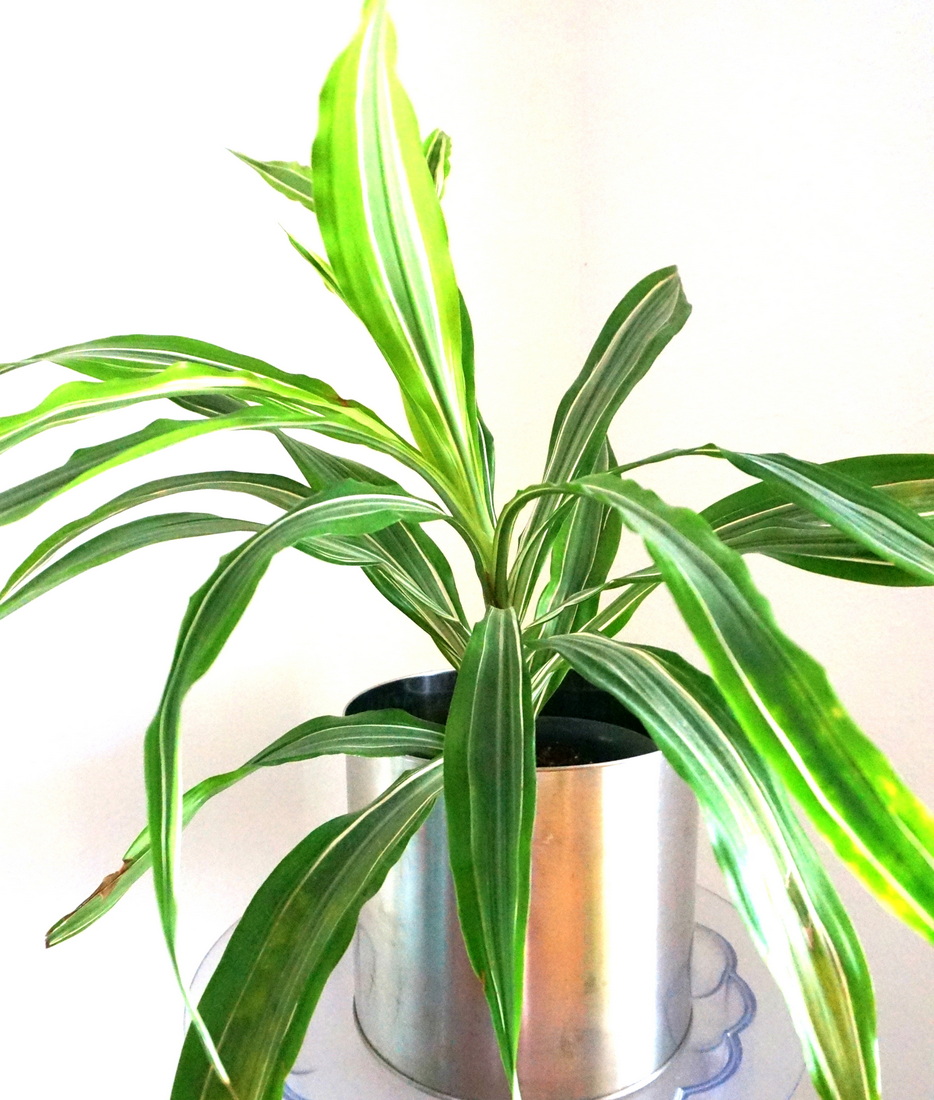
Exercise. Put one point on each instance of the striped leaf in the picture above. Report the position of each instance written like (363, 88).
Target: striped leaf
(534, 550)
(762, 518)
(386, 240)
(291, 937)
(869, 517)
(131, 356)
(402, 561)
(489, 791)
(285, 176)
(408, 568)
(789, 904)
(322, 469)
(309, 404)
(318, 263)
(295, 180)
(114, 543)
(437, 150)
(212, 613)
(272, 488)
(617, 613)
(414, 575)
(369, 733)
(581, 558)
(633, 337)
(91, 461)
(485, 442)
(22, 499)
(549, 673)
(784, 703)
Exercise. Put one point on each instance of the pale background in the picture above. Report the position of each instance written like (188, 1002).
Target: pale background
(781, 153)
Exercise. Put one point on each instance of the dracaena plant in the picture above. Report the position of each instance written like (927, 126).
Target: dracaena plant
(759, 734)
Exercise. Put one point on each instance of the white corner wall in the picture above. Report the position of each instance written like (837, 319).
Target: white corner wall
(781, 154)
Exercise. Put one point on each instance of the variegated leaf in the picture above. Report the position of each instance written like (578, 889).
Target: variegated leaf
(272, 488)
(784, 702)
(212, 613)
(288, 400)
(386, 241)
(789, 904)
(369, 733)
(489, 786)
(288, 178)
(114, 543)
(293, 934)
(437, 150)
(633, 337)
(762, 519)
(318, 263)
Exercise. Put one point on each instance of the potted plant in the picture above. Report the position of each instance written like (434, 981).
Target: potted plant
(761, 727)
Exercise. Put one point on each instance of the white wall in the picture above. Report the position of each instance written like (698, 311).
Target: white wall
(780, 153)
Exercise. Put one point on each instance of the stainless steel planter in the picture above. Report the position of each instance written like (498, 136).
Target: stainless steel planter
(607, 996)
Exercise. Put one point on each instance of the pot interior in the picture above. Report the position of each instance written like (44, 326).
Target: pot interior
(579, 725)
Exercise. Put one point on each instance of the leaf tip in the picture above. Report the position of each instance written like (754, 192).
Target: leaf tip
(58, 932)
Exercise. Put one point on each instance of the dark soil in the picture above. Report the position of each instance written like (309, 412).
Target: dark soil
(557, 755)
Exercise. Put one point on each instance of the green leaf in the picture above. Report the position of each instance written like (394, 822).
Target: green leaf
(118, 541)
(91, 461)
(285, 176)
(763, 519)
(212, 613)
(134, 357)
(485, 442)
(321, 409)
(534, 549)
(782, 699)
(869, 517)
(633, 337)
(635, 334)
(213, 405)
(318, 263)
(210, 404)
(291, 936)
(30, 495)
(321, 469)
(131, 356)
(386, 240)
(302, 402)
(272, 488)
(403, 562)
(389, 732)
(581, 556)
(437, 150)
(789, 904)
(548, 675)
(489, 790)
(408, 567)
(617, 613)
(370, 733)
(414, 575)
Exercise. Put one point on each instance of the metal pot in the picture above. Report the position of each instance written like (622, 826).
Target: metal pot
(607, 990)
